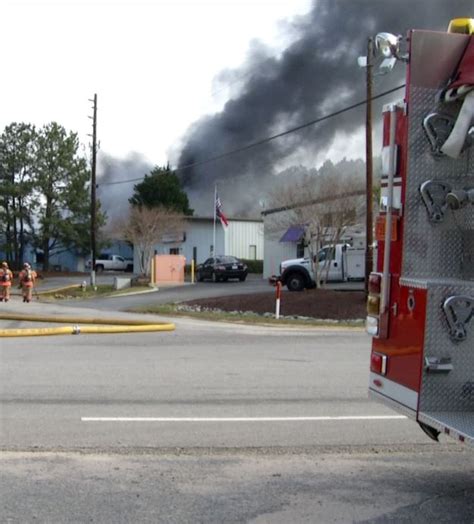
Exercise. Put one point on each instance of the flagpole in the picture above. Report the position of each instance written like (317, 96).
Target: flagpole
(215, 214)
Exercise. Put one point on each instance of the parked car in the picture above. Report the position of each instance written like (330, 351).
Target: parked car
(107, 262)
(221, 268)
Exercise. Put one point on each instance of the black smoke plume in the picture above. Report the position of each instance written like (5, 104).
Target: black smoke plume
(315, 75)
(114, 196)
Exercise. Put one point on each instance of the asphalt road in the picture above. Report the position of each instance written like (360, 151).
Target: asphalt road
(200, 370)
(172, 294)
(212, 423)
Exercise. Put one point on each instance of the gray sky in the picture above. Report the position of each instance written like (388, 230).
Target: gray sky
(185, 80)
(152, 63)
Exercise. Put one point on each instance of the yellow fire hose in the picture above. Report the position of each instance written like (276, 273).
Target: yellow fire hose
(103, 325)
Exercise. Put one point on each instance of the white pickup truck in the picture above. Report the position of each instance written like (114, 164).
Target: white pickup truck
(342, 262)
(106, 262)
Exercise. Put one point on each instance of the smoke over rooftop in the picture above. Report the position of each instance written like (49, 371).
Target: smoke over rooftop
(114, 197)
(316, 74)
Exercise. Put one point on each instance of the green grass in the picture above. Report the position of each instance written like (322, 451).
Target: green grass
(89, 292)
(243, 318)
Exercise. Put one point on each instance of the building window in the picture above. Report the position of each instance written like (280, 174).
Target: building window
(300, 250)
(252, 252)
(174, 250)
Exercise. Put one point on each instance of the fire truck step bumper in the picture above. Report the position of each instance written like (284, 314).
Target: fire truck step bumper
(459, 425)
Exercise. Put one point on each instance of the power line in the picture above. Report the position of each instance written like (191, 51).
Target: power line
(314, 201)
(270, 138)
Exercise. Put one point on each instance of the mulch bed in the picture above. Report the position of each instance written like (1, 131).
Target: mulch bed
(314, 303)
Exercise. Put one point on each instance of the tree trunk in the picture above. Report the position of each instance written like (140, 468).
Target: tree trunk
(15, 235)
(46, 255)
(46, 236)
(21, 251)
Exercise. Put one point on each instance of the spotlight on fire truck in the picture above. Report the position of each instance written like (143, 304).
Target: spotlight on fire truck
(389, 46)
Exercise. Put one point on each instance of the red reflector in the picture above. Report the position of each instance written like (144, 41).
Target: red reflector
(375, 283)
(378, 363)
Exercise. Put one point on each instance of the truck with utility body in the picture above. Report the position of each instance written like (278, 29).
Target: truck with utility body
(340, 262)
(108, 262)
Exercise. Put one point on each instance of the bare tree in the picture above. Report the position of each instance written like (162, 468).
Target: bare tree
(323, 207)
(145, 227)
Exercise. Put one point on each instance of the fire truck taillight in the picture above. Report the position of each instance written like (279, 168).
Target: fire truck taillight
(378, 363)
(375, 283)
(372, 323)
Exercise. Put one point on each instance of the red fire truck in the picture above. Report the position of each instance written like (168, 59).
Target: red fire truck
(421, 296)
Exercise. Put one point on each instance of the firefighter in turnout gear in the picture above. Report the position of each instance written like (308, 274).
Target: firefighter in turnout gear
(6, 278)
(27, 281)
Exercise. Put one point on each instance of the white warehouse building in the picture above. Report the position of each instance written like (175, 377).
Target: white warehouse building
(243, 238)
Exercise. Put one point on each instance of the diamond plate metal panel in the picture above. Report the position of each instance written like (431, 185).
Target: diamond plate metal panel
(439, 257)
(431, 249)
(453, 391)
(467, 262)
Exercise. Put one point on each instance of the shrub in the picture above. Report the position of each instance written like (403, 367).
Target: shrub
(255, 266)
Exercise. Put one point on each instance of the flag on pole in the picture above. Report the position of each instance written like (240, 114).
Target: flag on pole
(220, 214)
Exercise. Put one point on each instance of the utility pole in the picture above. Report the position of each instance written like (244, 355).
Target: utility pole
(369, 255)
(93, 190)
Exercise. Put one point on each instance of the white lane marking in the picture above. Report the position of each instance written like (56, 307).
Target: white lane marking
(241, 419)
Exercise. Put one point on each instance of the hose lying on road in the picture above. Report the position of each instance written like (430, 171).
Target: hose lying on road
(102, 325)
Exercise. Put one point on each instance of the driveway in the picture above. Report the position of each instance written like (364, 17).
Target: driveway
(164, 294)
(171, 294)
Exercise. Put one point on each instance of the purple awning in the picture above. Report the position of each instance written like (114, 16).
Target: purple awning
(293, 234)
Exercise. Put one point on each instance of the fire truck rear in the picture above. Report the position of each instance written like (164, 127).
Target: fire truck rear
(421, 297)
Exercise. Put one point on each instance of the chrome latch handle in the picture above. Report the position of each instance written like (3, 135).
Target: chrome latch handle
(459, 198)
(438, 127)
(434, 194)
(458, 310)
(438, 196)
(438, 365)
